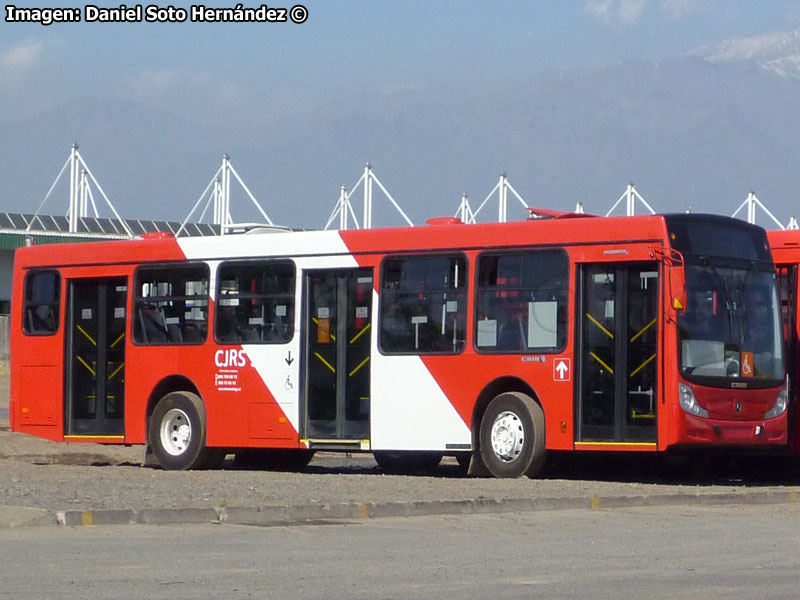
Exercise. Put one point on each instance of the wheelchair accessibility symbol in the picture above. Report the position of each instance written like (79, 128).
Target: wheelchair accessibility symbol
(747, 364)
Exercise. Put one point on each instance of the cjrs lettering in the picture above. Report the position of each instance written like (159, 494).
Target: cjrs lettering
(230, 358)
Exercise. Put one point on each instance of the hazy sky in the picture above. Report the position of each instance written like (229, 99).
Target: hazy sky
(232, 73)
(233, 77)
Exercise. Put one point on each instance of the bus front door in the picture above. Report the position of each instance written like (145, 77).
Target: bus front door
(95, 362)
(338, 316)
(618, 341)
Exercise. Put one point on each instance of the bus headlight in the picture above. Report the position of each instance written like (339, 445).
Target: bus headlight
(780, 405)
(689, 402)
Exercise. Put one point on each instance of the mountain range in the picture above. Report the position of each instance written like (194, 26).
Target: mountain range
(700, 131)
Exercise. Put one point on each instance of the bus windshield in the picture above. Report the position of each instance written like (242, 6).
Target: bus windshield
(731, 326)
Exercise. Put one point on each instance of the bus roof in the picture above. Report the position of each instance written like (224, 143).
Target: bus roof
(440, 235)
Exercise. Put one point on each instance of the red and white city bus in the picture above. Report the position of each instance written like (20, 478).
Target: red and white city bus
(785, 247)
(496, 342)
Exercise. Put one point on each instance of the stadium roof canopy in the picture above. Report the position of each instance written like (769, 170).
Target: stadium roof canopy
(17, 228)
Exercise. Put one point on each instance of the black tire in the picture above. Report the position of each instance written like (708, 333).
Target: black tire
(407, 462)
(273, 459)
(517, 422)
(177, 433)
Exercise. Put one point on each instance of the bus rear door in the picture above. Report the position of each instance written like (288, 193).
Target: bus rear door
(95, 357)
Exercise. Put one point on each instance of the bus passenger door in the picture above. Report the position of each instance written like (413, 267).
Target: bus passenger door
(787, 285)
(96, 357)
(618, 341)
(337, 322)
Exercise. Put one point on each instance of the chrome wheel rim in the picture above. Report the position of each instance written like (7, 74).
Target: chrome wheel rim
(508, 436)
(176, 432)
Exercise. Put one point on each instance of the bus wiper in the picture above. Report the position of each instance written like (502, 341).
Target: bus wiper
(731, 305)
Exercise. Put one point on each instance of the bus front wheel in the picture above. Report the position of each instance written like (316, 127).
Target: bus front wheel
(177, 432)
(512, 436)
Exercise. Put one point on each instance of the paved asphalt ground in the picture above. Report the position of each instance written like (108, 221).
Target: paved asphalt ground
(660, 552)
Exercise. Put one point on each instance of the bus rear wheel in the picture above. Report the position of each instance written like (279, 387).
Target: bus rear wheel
(512, 436)
(177, 433)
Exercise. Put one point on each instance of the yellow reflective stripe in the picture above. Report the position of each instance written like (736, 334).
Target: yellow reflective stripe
(325, 362)
(117, 370)
(332, 441)
(88, 337)
(637, 415)
(85, 364)
(358, 335)
(598, 359)
(643, 365)
(116, 341)
(361, 364)
(618, 444)
(646, 327)
(600, 325)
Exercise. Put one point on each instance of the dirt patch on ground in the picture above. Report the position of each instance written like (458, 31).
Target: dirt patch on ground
(84, 459)
(58, 476)
(32, 450)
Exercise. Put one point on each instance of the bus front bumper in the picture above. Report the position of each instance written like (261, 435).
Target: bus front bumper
(697, 430)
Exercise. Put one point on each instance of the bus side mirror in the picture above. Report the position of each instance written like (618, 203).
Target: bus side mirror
(677, 290)
(673, 267)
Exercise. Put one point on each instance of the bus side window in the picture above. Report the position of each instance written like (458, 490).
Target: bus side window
(423, 305)
(522, 301)
(171, 304)
(41, 303)
(255, 302)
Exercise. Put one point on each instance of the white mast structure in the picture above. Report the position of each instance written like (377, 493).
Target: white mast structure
(465, 212)
(502, 188)
(80, 193)
(218, 191)
(752, 203)
(631, 195)
(344, 207)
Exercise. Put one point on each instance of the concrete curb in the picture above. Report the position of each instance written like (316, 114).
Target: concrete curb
(288, 514)
(18, 516)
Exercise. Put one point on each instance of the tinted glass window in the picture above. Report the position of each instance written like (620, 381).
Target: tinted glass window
(731, 326)
(720, 239)
(522, 302)
(423, 305)
(171, 305)
(255, 303)
(41, 304)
